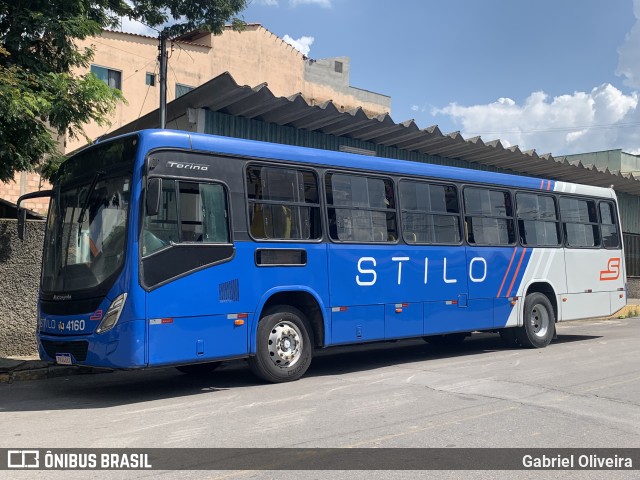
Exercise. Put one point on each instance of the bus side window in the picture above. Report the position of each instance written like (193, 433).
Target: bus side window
(283, 203)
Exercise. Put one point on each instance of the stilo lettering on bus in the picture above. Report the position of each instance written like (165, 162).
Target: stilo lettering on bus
(368, 275)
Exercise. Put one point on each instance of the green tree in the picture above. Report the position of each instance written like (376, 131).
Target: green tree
(41, 99)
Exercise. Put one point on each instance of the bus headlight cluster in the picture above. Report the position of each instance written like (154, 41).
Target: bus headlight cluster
(112, 316)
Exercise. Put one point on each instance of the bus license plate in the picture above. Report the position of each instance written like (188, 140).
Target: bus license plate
(63, 359)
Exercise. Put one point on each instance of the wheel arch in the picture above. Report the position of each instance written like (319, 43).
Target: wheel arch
(548, 290)
(304, 299)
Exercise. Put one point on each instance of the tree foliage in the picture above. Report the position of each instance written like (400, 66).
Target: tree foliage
(40, 97)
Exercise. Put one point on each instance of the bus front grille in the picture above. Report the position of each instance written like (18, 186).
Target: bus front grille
(78, 348)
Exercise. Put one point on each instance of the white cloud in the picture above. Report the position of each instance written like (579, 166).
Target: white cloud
(320, 3)
(602, 119)
(303, 44)
(629, 54)
(268, 3)
(133, 26)
(415, 108)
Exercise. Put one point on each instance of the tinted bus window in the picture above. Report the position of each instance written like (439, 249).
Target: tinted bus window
(189, 213)
(489, 217)
(610, 236)
(538, 223)
(580, 222)
(430, 213)
(283, 204)
(361, 209)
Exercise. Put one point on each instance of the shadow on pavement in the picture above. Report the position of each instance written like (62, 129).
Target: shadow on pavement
(131, 387)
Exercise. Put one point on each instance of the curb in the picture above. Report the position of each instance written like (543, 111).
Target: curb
(18, 370)
(630, 310)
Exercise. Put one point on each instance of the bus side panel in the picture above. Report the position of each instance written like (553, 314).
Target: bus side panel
(204, 305)
(359, 323)
(192, 318)
(546, 266)
(382, 277)
(403, 320)
(593, 275)
(495, 275)
(188, 339)
(448, 317)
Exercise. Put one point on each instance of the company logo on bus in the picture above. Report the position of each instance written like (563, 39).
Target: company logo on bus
(188, 166)
(613, 270)
(62, 297)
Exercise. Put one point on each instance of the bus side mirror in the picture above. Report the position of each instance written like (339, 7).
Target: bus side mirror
(154, 188)
(22, 220)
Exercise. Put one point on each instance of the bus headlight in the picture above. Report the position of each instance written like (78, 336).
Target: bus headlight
(113, 314)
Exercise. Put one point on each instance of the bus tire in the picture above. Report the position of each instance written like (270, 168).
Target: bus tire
(538, 322)
(284, 347)
(198, 368)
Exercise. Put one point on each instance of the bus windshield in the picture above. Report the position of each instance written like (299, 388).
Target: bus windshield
(87, 231)
(87, 221)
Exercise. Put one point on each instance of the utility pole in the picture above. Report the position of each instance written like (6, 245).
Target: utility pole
(162, 57)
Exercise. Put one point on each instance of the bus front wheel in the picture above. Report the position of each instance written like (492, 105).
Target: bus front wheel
(283, 346)
(538, 321)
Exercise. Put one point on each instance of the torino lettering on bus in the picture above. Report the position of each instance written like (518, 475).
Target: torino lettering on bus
(368, 276)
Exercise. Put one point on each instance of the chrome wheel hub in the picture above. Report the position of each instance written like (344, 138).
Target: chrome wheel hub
(285, 344)
(539, 321)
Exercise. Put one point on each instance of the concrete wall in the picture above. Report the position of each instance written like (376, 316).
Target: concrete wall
(19, 279)
(633, 287)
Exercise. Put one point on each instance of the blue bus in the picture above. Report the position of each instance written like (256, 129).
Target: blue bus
(168, 248)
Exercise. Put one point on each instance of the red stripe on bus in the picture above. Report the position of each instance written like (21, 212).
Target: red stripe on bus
(516, 274)
(507, 272)
(541, 184)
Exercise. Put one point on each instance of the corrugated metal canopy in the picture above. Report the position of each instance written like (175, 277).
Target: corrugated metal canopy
(223, 94)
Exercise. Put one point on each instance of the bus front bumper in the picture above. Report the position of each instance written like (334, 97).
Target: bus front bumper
(123, 347)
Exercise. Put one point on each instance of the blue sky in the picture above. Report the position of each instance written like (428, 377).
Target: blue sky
(558, 76)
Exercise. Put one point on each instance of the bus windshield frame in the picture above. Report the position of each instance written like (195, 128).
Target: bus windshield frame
(87, 225)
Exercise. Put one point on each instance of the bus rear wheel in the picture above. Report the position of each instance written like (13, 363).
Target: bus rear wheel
(538, 322)
(283, 346)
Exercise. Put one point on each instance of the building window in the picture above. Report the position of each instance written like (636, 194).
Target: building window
(338, 67)
(150, 79)
(182, 89)
(113, 78)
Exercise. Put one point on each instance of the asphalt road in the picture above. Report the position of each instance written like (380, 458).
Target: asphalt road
(581, 391)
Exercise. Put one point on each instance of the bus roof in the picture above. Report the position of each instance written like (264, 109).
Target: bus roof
(152, 139)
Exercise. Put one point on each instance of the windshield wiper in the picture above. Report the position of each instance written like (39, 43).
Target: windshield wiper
(85, 204)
